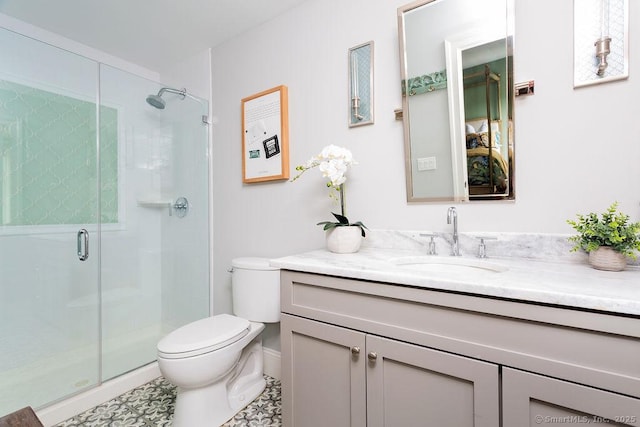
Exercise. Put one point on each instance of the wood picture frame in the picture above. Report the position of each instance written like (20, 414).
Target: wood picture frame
(265, 136)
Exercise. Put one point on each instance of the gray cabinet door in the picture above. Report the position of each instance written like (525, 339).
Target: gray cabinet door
(323, 374)
(408, 385)
(533, 400)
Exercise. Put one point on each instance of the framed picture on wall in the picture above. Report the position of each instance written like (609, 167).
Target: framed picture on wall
(265, 136)
(600, 41)
(361, 85)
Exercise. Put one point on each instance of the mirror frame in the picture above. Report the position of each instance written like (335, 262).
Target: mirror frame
(455, 97)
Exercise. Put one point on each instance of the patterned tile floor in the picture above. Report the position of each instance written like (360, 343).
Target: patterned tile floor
(151, 405)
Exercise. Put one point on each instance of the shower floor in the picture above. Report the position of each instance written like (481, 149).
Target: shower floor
(152, 405)
(39, 362)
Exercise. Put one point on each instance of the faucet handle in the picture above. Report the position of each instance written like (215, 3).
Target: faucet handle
(432, 244)
(482, 247)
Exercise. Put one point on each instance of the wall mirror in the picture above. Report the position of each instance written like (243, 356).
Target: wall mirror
(457, 94)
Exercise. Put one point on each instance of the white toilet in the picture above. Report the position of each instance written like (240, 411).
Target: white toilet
(216, 362)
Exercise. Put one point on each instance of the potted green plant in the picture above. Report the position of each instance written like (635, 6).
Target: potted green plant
(343, 236)
(608, 239)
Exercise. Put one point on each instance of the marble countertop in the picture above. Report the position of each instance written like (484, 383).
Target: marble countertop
(575, 285)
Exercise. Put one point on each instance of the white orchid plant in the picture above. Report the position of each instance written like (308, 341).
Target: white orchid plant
(333, 162)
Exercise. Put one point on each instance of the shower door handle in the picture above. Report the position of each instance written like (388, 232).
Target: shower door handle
(83, 244)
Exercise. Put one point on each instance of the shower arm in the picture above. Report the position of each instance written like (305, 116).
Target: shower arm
(181, 92)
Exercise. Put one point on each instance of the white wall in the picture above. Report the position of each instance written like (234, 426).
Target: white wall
(194, 74)
(577, 150)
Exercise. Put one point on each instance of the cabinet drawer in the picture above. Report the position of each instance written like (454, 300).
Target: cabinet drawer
(584, 347)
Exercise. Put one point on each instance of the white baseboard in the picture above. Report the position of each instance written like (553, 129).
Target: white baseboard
(79, 403)
(272, 366)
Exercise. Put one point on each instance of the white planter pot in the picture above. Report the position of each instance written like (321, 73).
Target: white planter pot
(344, 240)
(605, 258)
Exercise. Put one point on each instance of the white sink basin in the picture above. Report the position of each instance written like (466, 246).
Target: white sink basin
(450, 264)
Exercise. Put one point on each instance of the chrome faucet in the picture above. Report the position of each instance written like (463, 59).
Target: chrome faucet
(452, 215)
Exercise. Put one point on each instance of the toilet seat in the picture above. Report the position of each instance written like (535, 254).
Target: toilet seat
(203, 336)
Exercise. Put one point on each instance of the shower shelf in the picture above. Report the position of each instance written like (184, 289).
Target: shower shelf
(155, 203)
(181, 205)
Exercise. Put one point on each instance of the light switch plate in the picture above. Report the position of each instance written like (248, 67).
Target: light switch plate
(427, 164)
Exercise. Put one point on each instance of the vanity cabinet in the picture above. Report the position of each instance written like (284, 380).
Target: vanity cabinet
(339, 377)
(364, 353)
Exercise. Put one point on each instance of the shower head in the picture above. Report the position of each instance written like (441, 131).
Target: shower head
(156, 101)
(159, 103)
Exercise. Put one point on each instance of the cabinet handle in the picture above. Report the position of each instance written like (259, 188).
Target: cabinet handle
(355, 351)
(372, 356)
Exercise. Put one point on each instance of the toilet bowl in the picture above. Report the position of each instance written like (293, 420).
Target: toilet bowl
(217, 362)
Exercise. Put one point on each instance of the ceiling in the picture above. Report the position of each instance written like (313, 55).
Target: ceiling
(150, 33)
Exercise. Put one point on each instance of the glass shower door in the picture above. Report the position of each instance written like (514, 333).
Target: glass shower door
(49, 300)
(155, 260)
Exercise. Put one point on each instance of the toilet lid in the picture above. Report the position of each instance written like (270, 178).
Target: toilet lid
(252, 263)
(203, 336)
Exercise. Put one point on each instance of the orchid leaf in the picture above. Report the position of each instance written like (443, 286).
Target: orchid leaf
(341, 218)
(343, 221)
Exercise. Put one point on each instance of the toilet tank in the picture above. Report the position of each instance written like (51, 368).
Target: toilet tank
(255, 290)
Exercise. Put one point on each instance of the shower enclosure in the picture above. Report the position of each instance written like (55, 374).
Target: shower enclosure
(104, 221)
